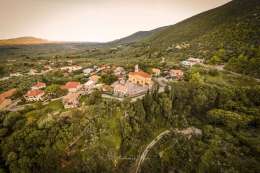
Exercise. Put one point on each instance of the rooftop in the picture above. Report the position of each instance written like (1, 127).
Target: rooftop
(71, 85)
(8, 93)
(140, 73)
(33, 93)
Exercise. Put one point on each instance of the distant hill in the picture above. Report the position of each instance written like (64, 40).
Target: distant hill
(24, 41)
(138, 36)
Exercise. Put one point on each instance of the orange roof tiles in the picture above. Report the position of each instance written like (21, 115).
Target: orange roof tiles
(140, 73)
(71, 85)
(33, 93)
(8, 93)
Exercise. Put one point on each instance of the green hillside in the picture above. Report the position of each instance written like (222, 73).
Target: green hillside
(230, 33)
(138, 36)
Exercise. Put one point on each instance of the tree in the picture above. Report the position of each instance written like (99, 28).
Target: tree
(108, 79)
(228, 118)
(11, 118)
(196, 78)
(55, 91)
(94, 98)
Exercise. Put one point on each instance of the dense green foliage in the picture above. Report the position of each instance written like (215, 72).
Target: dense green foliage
(103, 134)
(108, 79)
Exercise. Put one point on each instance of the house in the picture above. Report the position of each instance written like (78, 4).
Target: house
(5, 100)
(94, 78)
(71, 100)
(88, 71)
(71, 68)
(176, 74)
(72, 86)
(187, 64)
(156, 71)
(191, 62)
(38, 85)
(129, 89)
(195, 60)
(34, 95)
(119, 71)
(8, 93)
(89, 85)
(140, 78)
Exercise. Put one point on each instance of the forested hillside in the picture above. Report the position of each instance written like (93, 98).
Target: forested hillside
(228, 34)
(108, 136)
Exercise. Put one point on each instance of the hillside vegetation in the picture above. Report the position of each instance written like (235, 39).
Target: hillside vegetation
(228, 34)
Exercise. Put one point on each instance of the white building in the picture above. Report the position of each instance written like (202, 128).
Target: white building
(71, 68)
(119, 71)
(89, 85)
(191, 62)
(88, 71)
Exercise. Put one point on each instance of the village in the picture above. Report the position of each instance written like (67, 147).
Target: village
(122, 84)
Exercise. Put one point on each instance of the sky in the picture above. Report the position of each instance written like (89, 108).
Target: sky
(93, 20)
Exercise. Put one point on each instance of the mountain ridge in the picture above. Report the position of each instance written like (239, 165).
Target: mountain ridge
(26, 40)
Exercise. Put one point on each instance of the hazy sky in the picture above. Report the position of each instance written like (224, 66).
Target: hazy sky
(93, 20)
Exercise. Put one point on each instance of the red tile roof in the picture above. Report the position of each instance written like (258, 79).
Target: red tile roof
(33, 93)
(140, 73)
(71, 85)
(8, 93)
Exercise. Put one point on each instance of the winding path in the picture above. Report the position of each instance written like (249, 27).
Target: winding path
(186, 132)
(148, 148)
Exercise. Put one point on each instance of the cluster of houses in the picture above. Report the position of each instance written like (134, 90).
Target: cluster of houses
(137, 83)
(128, 84)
